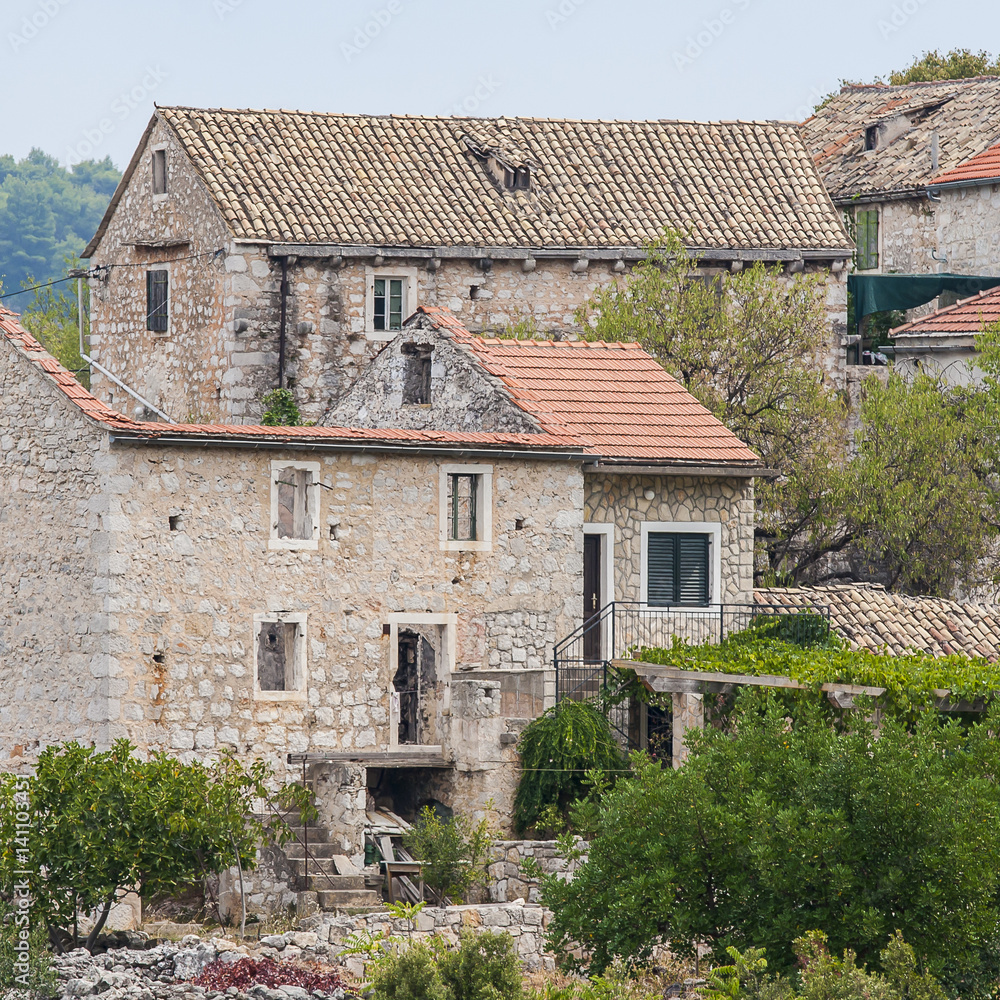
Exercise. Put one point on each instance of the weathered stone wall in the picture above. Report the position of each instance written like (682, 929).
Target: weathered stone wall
(60, 507)
(507, 879)
(621, 500)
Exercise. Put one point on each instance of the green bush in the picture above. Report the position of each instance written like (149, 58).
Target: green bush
(455, 852)
(280, 409)
(28, 970)
(485, 966)
(409, 974)
(782, 825)
(557, 750)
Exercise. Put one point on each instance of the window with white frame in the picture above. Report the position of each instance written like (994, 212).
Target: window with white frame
(466, 507)
(279, 655)
(681, 564)
(294, 505)
(391, 296)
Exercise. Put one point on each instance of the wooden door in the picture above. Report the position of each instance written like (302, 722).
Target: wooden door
(593, 647)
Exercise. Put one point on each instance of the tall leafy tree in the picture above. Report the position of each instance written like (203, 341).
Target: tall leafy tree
(955, 64)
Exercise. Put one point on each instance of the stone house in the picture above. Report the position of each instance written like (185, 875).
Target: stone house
(906, 166)
(246, 250)
(380, 600)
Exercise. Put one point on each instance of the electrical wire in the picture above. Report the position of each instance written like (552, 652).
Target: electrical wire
(21, 291)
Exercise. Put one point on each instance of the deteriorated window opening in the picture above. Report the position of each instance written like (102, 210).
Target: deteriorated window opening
(417, 375)
(294, 519)
(159, 171)
(156, 301)
(415, 685)
(276, 655)
(463, 513)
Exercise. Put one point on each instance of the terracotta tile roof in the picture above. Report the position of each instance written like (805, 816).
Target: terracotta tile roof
(290, 176)
(983, 166)
(32, 351)
(870, 617)
(614, 398)
(965, 114)
(967, 316)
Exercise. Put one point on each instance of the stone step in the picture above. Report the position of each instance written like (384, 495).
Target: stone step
(317, 835)
(339, 899)
(295, 851)
(327, 881)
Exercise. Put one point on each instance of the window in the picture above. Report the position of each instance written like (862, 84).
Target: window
(388, 304)
(156, 301)
(294, 505)
(279, 655)
(871, 138)
(866, 238)
(159, 171)
(466, 507)
(462, 492)
(417, 373)
(677, 568)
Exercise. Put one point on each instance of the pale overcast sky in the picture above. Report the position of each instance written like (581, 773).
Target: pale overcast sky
(82, 75)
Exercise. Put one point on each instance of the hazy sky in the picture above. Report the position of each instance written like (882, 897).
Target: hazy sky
(82, 75)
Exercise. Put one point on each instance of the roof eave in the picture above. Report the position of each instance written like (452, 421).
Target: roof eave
(721, 470)
(971, 182)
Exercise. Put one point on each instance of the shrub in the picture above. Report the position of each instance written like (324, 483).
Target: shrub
(280, 409)
(455, 852)
(485, 966)
(409, 974)
(557, 750)
(28, 970)
(784, 824)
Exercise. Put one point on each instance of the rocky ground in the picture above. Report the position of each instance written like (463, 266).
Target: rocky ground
(165, 971)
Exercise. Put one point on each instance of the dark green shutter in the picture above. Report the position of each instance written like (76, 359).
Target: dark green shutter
(156, 301)
(661, 568)
(866, 238)
(692, 569)
(873, 238)
(677, 568)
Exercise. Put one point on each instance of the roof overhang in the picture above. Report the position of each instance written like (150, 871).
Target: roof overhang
(721, 471)
(971, 183)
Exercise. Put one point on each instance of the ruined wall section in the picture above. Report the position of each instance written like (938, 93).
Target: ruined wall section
(621, 500)
(60, 508)
(463, 397)
(182, 371)
(968, 229)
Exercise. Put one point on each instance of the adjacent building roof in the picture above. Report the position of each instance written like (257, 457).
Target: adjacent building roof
(985, 166)
(966, 317)
(124, 427)
(614, 399)
(963, 114)
(869, 617)
(406, 181)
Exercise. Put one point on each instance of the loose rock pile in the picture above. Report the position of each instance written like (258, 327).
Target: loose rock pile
(164, 972)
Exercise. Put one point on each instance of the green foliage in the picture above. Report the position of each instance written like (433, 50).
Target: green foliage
(745, 978)
(409, 973)
(107, 823)
(455, 852)
(910, 680)
(956, 64)
(48, 213)
(485, 966)
(557, 750)
(617, 982)
(40, 978)
(52, 317)
(280, 409)
(783, 824)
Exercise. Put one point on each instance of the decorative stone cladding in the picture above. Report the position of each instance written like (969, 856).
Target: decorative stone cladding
(526, 923)
(620, 500)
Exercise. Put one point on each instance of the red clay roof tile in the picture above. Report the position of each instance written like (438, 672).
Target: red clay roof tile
(982, 166)
(967, 316)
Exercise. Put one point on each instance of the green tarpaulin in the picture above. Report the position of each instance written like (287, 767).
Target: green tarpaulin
(879, 292)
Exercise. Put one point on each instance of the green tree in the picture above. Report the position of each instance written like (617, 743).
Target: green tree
(783, 824)
(280, 409)
(748, 345)
(106, 823)
(52, 317)
(956, 64)
(455, 851)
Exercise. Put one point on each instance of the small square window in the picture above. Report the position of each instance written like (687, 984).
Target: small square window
(388, 303)
(466, 507)
(159, 171)
(294, 505)
(156, 300)
(417, 373)
(279, 655)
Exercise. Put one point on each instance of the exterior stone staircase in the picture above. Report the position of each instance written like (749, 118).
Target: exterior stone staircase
(331, 889)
